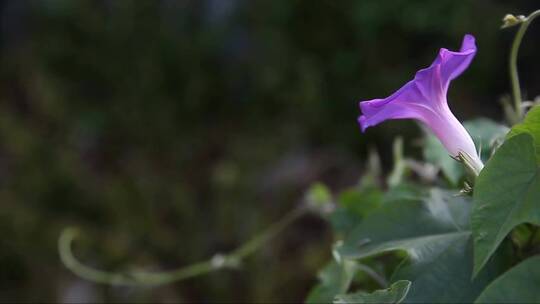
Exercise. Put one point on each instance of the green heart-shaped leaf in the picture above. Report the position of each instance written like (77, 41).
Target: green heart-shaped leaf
(518, 285)
(435, 232)
(507, 193)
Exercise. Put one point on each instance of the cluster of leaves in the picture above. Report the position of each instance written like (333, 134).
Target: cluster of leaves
(432, 244)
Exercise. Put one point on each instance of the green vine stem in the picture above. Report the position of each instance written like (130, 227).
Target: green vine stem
(142, 278)
(516, 89)
(374, 275)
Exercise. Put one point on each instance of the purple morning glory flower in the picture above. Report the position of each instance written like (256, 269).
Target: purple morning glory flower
(424, 99)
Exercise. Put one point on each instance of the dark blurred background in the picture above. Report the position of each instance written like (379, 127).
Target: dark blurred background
(174, 129)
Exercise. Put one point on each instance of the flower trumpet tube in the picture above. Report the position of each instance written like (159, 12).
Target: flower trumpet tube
(424, 99)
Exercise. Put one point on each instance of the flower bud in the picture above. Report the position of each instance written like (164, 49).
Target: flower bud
(510, 20)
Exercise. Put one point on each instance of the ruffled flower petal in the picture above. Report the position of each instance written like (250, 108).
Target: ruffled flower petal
(424, 99)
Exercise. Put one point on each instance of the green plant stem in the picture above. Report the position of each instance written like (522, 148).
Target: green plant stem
(396, 176)
(138, 278)
(374, 275)
(514, 77)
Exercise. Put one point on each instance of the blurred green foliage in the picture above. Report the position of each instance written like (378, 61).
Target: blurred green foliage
(172, 130)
